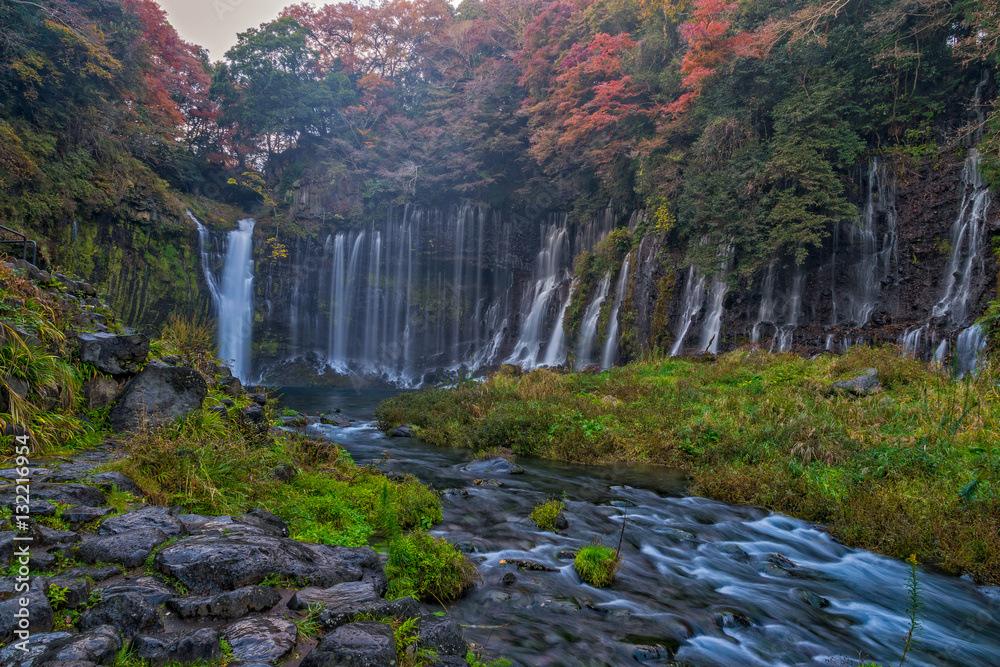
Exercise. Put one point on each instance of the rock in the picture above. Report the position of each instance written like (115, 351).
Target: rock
(331, 419)
(102, 573)
(442, 635)
(87, 289)
(231, 385)
(13, 656)
(100, 392)
(508, 578)
(76, 592)
(231, 604)
(43, 562)
(213, 563)
(39, 611)
(813, 600)
(98, 647)
(158, 394)
(265, 639)
(83, 514)
(129, 613)
(270, 524)
(253, 415)
(129, 548)
(45, 536)
(401, 609)
(151, 589)
(361, 644)
(71, 494)
(561, 522)
(529, 565)
(200, 645)
(400, 432)
(220, 410)
(147, 518)
(497, 464)
(284, 473)
(259, 399)
(859, 385)
(113, 354)
(110, 481)
(341, 596)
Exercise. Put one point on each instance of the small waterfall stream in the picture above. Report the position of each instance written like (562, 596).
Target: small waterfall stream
(588, 326)
(611, 344)
(549, 276)
(694, 297)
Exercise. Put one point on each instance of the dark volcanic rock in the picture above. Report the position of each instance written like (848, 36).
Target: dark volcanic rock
(129, 613)
(156, 395)
(154, 591)
(83, 514)
(183, 647)
(400, 432)
(401, 609)
(230, 385)
(102, 573)
(442, 635)
(231, 604)
(100, 392)
(862, 384)
(346, 595)
(39, 611)
(494, 465)
(130, 548)
(265, 639)
(99, 647)
(13, 656)
(213, 563)
(76, 592)
(147, 518)
(113, 354)
(362, 644)
(114, 480)
(71, 494)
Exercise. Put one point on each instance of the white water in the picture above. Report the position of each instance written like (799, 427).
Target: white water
(611, 344)
(968, 345)
(549, 276)
(694, 297)
(588, 326)
(555, 353)
(713, 316)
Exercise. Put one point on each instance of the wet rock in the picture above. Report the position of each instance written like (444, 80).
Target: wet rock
(99, 646)
(76, 593)
(39, 611)
(129, 548)
(259, 399)
(43, 562)
(566, 555)
(231, 385)
(991, 592)
(45, 536)
(361, 644)
(674, 533)
(129, 613)
(108, 481)
(401, 609)
(859, 385)
(508, 579)
(253, 416)
(733, 552)
(813, 600)
(331, 419)
(400, 432)
(231, 604)
(213, 563)
(267, 522)
(13, 656)
(284, 473)
(561, 522)
(200, 645)
(152, 590)
(83, 514)
(732, 619)
(467, 547)
(442, 635)
(530, 565)
(342, 596)
(158, 394)
(71, 494)
(495, 465)
(147, 518)
(651, 653)
(487, 482)
(265, 639)
(102, 573)
(113, 354)
(100, 392)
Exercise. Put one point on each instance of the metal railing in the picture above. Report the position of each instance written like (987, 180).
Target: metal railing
(24, 241)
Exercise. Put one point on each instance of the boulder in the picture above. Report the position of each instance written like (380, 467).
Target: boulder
(147, 518)
(346, 595)
(253, 415)
(361, 644)
(859, 385)
(264, 639)
(40, 616)
(231, 385)
(113, 354)
(71, 494)
(100, 392)
(442, 635)
(12, 655)
(108, 481)
(102, 573)
(231, 604)
(199, 646)
(401, 609)
(76, 592)
(333, 419)
(83, 514)
(212, 563)
(129, 548)
(99, 646)
(156, 395)
(46, 537)
(270, 523)
(151, 589)
(497, 464)
(400, 432)
(129, 613)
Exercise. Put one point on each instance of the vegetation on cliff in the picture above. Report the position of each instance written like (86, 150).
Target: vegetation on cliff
(910, 468)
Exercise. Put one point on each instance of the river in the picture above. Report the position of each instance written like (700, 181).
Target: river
(703, 583)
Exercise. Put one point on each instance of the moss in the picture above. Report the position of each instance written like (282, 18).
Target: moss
(428, 568)
(596, 564)
(544, 515)
(660, 334)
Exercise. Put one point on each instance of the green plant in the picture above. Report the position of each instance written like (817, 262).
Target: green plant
(309, 626)
(545, 514)
(596, 564)
(288, 412)
(427, 567)
(913, 594)
(57, 595)
(475, 659)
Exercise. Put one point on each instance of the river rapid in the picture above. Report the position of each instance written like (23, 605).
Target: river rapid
(703, 583)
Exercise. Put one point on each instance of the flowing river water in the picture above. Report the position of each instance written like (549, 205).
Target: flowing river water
(703, 583)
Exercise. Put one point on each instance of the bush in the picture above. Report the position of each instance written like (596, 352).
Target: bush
(545, 515)
(597, 564)
(428, 568)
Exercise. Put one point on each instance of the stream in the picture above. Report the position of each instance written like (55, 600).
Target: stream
(703, 583)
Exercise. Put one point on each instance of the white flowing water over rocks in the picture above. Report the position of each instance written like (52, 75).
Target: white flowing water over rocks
(611, 344)
(588, 326)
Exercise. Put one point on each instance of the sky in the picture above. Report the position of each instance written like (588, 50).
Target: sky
(215, 23)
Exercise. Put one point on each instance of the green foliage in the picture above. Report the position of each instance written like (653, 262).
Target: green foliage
(475, 659)
(596, 564)
(544, 515)
(427, 568)
(309, 626)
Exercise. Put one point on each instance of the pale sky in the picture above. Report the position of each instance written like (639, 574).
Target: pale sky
(214, 23)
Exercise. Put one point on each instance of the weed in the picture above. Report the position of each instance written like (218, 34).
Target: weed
(596, 564)
(427, 567)
(545, 515)
(309, 626)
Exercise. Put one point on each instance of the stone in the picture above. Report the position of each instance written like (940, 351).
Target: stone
(266, 521)
(212, 563)
(129, 548)
(102, 573)
(231, 385)
(113, 354)
(259, 399)
(346, 595)
(147, 518)
(813, 600)
(83, 514)
(400, 432)
(76, 592)
(43, 562)
(12, 655)
(331, 419)
(201, 645)
(40, 616)
(45, 536)
(496, 464)
(254, 415)
(361, 644)
(859, 385)
(100, 392)
(129, 613)
(230, 604)
(151, 589)
(400, 609)
(264, 639)
(442, 635)
(284, 473)
(99, 646)
(108, 481)
(71, 494)
(156, 395)
(561, 522)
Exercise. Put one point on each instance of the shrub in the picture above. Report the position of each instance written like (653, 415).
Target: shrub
(545, 515)
(428, 568)
(596, 564)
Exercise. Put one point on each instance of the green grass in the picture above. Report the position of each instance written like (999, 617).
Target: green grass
(544, 515)
(427, 568)
(596, 564)
(911, 469)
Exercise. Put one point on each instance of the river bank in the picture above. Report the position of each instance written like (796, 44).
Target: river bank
(904, 467)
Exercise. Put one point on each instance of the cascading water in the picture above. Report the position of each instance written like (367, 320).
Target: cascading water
(555, 353)
(968, 346)
(713, 315)
(694, 298)
(611, 344)
(588, 326)
(780, 312)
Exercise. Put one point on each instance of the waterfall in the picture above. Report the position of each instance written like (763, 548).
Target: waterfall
(968, 345)
(207, 265)
(713, 315)
(548, 278)
(555, 353)
(588, 326)
(611, 344)
(966, 245)
(235, 302)
(694, 297)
